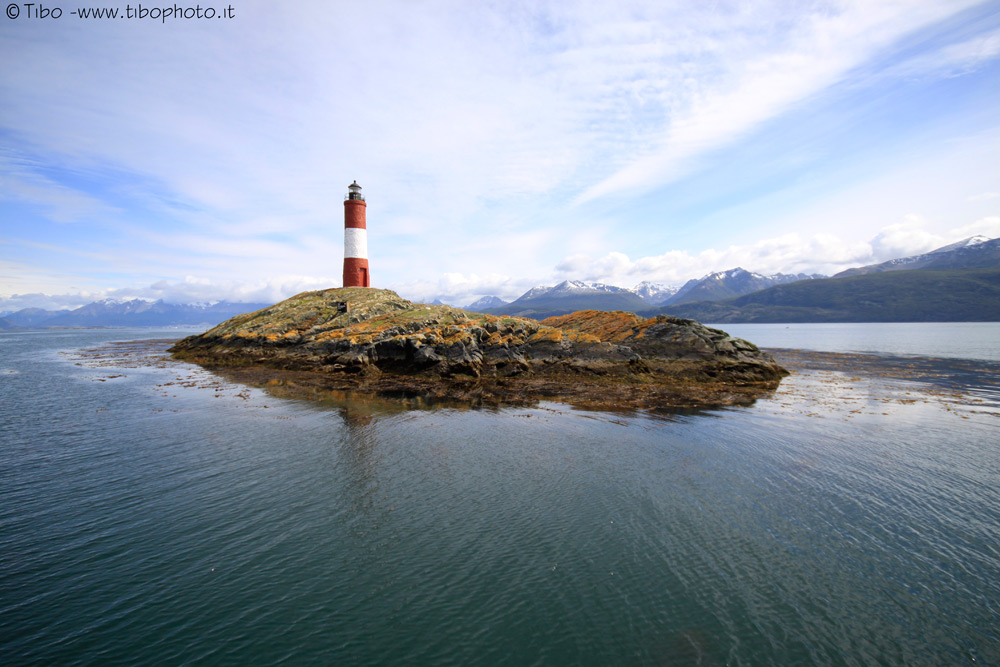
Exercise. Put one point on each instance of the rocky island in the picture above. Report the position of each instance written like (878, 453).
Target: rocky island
(372, 340)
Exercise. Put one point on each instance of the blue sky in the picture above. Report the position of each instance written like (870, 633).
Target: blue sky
(500, 145)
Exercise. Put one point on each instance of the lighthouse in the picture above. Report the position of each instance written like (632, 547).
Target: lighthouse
(355, 239)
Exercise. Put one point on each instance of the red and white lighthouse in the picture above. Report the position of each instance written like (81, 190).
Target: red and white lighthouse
(355, 239)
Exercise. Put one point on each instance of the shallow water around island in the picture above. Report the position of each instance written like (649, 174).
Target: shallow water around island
(152, 512)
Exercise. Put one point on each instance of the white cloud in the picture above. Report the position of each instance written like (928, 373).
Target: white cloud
(197, 290)
(469, 102)
(791, 253)
(16, 302)
(988, 226)
(461, 289)
(767, 78)
(951, 60)
(18, 277)
(903, 239)
(821, 253)
(20, 182)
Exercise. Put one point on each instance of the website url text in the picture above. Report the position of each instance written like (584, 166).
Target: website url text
(33, 10)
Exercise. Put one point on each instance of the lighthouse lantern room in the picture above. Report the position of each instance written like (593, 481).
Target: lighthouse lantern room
(355, 239)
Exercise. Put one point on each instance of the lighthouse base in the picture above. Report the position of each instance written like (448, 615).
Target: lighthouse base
(356, 272)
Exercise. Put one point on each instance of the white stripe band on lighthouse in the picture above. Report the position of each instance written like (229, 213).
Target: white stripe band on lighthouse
(355, 242)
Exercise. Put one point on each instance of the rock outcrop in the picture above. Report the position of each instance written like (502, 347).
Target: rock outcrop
(374, 340)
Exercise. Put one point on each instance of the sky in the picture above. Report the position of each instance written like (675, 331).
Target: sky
(500, 145)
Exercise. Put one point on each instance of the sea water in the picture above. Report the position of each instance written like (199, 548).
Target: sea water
(954, 340)
(151, 512)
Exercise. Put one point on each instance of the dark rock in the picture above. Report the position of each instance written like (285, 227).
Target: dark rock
(407, 344)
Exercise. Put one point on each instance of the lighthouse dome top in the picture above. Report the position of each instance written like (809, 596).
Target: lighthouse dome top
(355, 191)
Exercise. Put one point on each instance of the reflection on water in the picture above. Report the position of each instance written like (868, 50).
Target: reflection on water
(359, 450)
(309, 386)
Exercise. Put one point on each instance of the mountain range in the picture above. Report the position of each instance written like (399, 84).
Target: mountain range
(739, 295)
(572, 295)
(976, 252)
(734, 282)
(486, 302)
(957, 282)
(655, 293)
(128, 313)
(946, 295)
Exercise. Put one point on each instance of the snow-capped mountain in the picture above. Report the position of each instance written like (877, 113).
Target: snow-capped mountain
(568, 287)
(956, 283)
(131, 313)
(570, 296)
(972, 253)
(535, 292)
(655, 293)
(115, 307)
(727, 284)
(970, 242)
(486, 302)
(131, 301)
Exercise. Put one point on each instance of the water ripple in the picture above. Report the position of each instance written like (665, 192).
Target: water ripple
(198, 523)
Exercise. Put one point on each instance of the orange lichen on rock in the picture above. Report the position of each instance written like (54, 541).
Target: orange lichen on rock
(612, 327)
(330, 334)
(366, 335)
(546, 334)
